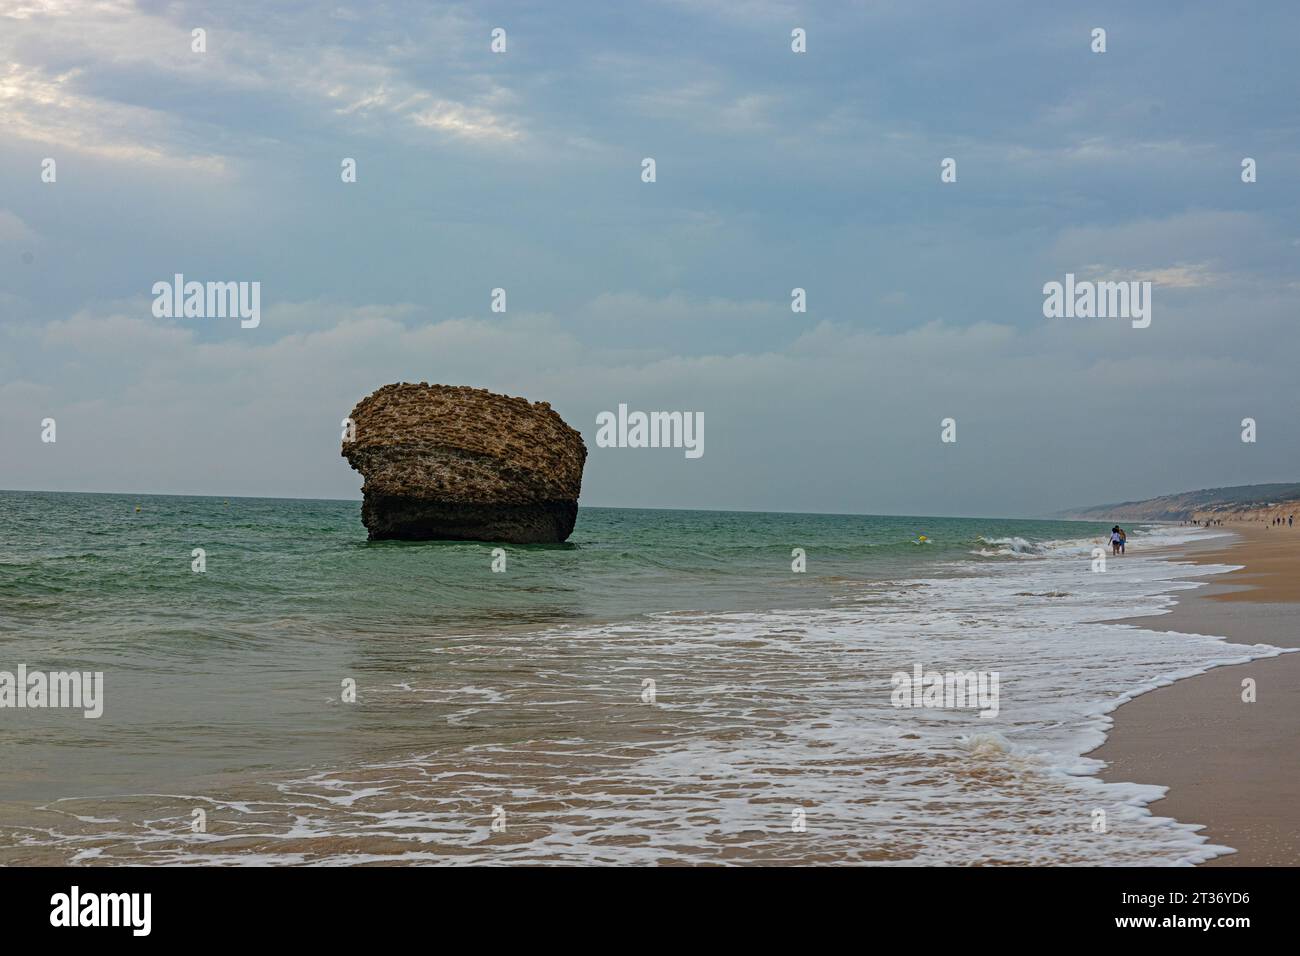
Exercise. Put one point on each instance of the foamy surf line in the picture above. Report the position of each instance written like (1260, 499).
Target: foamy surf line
(770, 737)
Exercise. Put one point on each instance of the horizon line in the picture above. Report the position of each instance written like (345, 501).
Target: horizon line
(840, 514)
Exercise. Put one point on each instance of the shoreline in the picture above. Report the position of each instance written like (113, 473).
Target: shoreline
(1227, 765)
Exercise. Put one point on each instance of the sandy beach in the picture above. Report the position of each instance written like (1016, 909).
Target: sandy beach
(1228, 764)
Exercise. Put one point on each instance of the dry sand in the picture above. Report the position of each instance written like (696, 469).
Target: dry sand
(1230, 765)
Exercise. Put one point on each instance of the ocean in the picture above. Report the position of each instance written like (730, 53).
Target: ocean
(663, 688)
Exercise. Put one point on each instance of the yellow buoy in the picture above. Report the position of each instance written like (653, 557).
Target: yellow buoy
(137, 507)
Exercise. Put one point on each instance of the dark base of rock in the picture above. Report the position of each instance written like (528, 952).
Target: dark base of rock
(411, 519)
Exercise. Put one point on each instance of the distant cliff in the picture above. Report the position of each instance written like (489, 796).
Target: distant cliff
(1236, 503)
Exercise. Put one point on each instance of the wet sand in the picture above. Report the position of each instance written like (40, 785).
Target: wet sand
(1230, 765)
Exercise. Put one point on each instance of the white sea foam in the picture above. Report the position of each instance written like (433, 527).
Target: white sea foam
(758, 715)
(1012, 546)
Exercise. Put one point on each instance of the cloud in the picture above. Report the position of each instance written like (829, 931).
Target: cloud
(708, 104)
(471, 122)
(857, 408)
(1199, 238)
(1194, 275)
(13, 229)
(46, 109)
(77, 75)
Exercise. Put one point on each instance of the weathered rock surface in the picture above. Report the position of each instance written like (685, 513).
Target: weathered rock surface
(459, 463)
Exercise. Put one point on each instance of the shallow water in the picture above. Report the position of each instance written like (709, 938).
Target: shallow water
(521, 698)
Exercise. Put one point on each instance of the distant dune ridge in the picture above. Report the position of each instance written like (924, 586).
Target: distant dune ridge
(1240, 502)
(458, 463)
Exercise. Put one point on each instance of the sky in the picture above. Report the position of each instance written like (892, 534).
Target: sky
(774, 170)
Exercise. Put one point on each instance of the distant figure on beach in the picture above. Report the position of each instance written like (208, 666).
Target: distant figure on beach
(1114, 540)
(1123, 540)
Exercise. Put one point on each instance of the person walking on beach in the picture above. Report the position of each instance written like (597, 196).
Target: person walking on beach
(1114, 540)
(1123, 540)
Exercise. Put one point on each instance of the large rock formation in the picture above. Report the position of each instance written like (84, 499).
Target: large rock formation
(452, 462)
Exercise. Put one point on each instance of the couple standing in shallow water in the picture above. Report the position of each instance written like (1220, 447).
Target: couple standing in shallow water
(1118, 538)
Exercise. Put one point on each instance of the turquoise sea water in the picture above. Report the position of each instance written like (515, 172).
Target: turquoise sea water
(305, 569)
(293, 595)
(226, 685)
